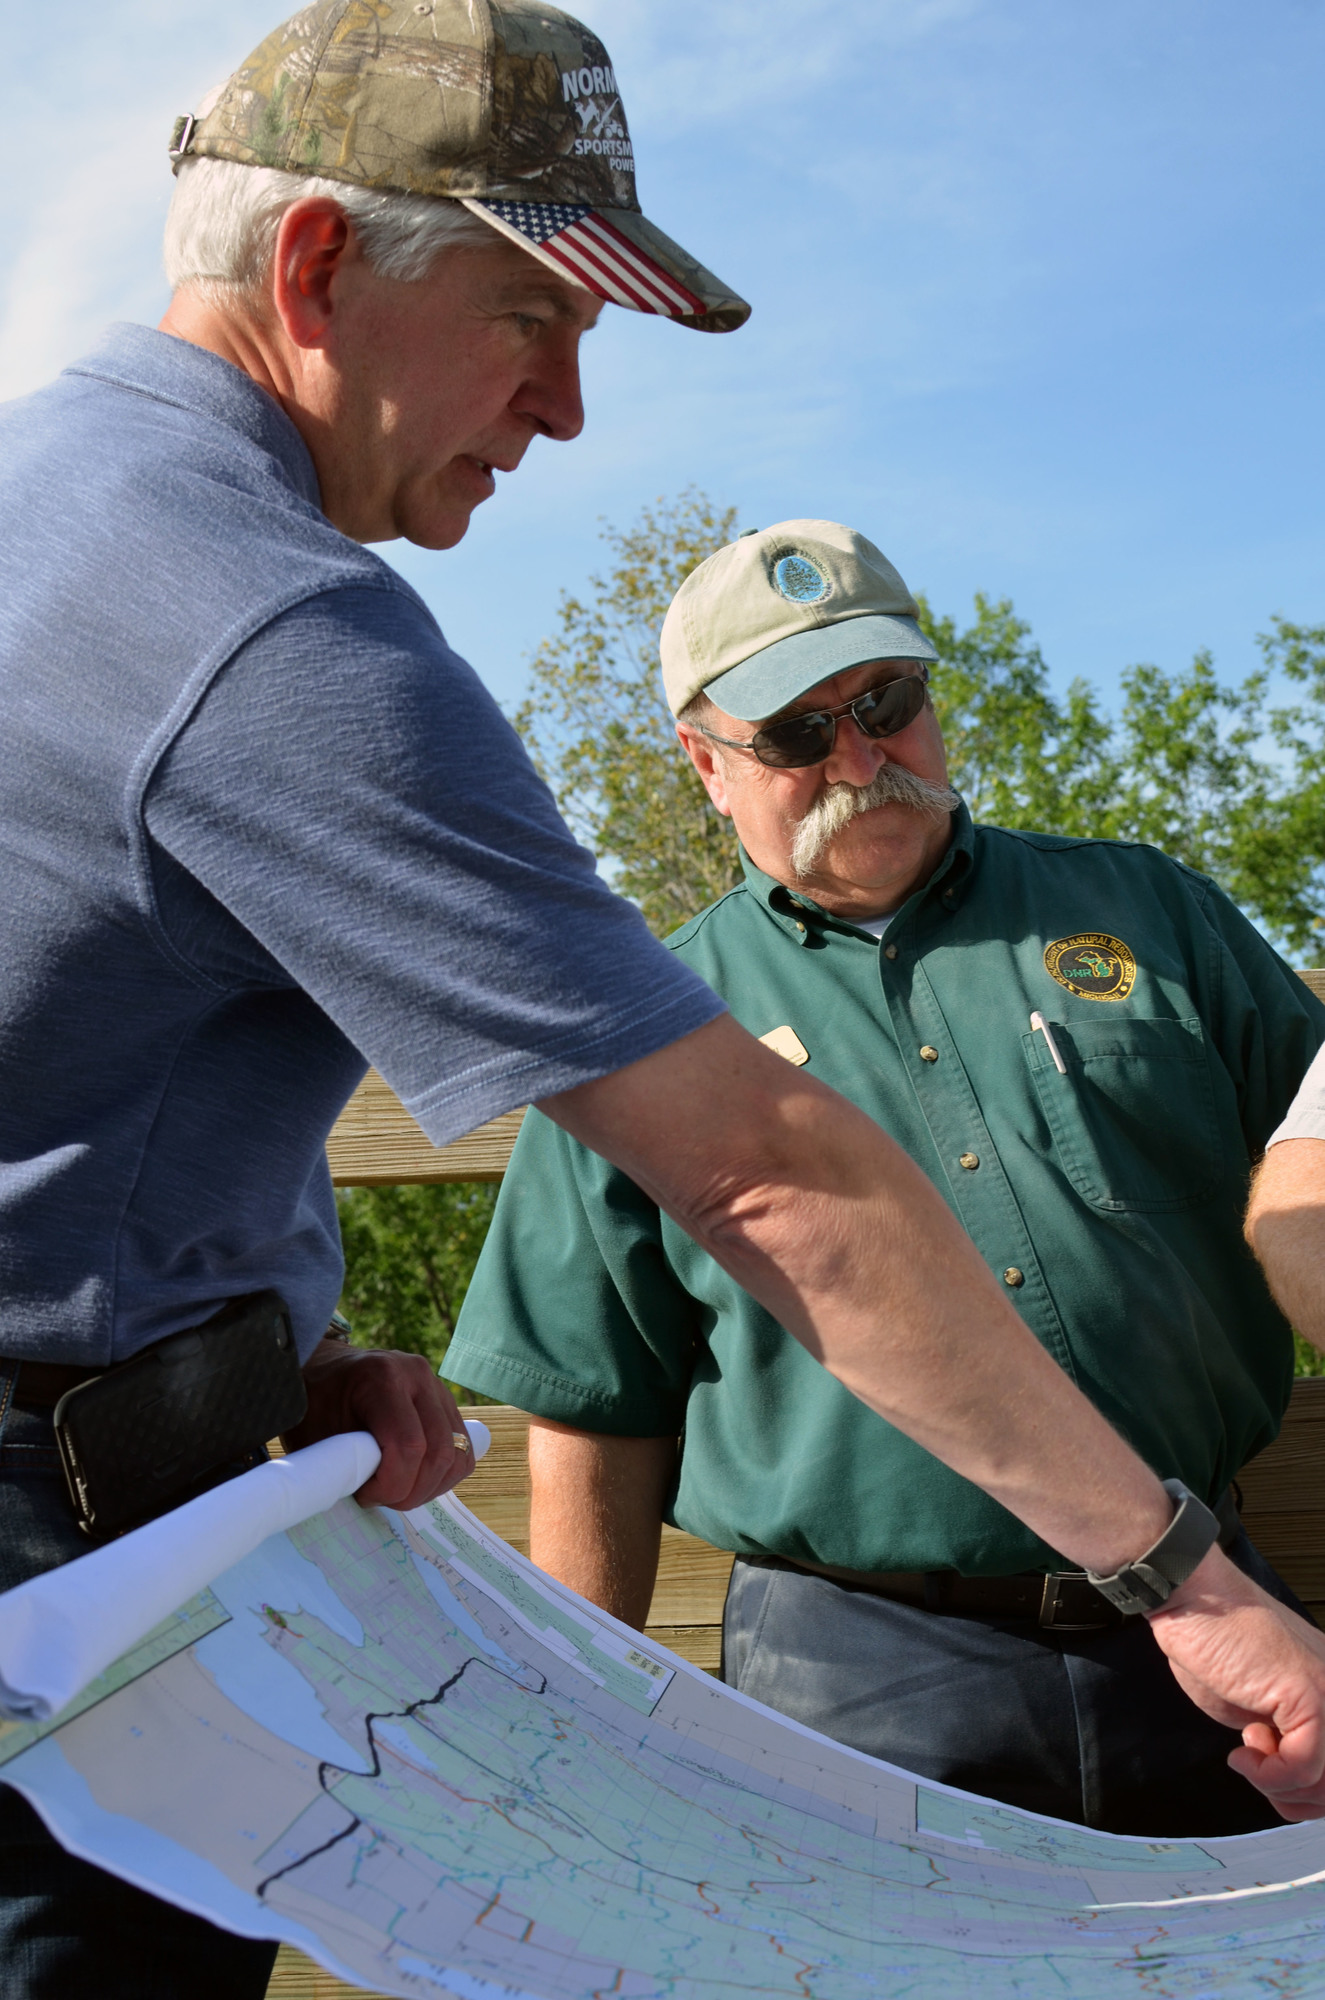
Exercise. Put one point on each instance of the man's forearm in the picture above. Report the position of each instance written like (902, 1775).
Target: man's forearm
(1286, 1229)
(824, 1220)
(595, 1513)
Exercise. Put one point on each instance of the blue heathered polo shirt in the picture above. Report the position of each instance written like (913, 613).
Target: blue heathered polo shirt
(259, 826)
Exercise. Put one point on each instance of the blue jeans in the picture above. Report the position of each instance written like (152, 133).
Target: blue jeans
(1083, 1726)
(69, 1931)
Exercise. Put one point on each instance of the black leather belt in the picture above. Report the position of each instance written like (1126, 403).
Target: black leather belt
(1063, 1601)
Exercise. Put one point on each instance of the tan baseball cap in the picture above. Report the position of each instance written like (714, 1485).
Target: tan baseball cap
(774, 613)
(508, 106)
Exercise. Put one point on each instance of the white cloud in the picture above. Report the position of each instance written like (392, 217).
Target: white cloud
(86, 106)
(693, 61)
(89, 254)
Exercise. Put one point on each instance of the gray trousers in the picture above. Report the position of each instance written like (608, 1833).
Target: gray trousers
(1083, 1726)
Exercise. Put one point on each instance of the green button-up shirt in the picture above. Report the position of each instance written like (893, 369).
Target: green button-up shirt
(1107, 1195)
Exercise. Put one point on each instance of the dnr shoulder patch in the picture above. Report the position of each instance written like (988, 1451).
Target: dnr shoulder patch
(1092, 965)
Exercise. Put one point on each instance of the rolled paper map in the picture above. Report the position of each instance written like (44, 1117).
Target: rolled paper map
(60, 1630)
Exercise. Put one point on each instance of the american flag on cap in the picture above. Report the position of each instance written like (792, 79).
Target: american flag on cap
(581, 244)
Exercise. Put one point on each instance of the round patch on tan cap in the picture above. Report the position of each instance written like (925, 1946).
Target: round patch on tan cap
(1092, 965)
(799, 580)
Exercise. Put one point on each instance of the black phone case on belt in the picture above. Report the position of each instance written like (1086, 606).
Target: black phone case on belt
(172, 1420)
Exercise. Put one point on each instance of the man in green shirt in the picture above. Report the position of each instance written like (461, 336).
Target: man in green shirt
(1082, 1044)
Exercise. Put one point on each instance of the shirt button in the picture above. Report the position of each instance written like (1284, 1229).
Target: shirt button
(970, 1161)
(929, 1055)
(1012, 1276)
(890, 951)
(800, 927)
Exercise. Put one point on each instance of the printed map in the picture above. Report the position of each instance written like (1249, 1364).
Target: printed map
(394, 1743)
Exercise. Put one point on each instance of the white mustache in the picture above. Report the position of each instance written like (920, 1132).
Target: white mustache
(891, 785)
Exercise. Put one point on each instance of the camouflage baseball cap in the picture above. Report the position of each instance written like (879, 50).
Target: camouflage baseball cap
(508, 106)
(770, 615)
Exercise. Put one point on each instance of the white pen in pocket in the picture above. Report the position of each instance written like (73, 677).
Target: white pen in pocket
(1041, 1027)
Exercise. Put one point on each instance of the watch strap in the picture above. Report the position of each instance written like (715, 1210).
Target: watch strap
(1147, 1583)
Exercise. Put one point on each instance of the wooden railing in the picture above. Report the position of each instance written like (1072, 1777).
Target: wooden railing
(376, 1143)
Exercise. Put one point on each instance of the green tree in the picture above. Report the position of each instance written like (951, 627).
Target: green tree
(410, 1253)
(1215, 775)
(1018, 757)
(600, 730)
(1285, 852)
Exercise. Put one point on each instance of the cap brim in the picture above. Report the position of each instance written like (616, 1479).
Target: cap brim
(768, 680)
(619, 255)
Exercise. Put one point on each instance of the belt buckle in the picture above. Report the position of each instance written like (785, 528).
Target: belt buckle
(1049, 1603)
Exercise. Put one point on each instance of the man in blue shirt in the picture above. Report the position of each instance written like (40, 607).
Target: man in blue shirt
(261, 826)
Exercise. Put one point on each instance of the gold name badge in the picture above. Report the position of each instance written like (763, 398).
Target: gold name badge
(1092, 965)
(786, 1042)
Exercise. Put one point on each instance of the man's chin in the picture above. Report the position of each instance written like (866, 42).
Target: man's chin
(439, 528)
(437, 538)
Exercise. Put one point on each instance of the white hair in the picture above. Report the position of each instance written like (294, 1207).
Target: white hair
(837, 805)
(221, 229)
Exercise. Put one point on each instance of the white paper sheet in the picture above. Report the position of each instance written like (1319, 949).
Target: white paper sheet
(58, 1631)
(61, 1629)
(393, 1742)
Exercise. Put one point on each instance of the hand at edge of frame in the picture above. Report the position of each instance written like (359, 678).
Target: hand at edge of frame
(1254, 1665)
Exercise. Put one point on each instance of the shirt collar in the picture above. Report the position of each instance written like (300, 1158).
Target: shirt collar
(192, 378)
(798, 915)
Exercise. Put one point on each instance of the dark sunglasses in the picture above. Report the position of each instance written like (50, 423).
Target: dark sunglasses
(808, 739)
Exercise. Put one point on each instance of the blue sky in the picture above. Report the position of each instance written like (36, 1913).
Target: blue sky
(1038, 291)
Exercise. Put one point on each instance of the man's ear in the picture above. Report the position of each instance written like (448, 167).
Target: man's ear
(314, 243)
(703, 754)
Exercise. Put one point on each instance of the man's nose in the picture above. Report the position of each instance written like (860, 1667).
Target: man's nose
(550, 395)
(854, 757)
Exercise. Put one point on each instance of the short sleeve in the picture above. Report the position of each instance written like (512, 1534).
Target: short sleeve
(1306, 1114)
(345, 787)
(1268, 1022)
(574, 1312)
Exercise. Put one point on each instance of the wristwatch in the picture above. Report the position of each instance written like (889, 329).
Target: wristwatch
(1148, 1582)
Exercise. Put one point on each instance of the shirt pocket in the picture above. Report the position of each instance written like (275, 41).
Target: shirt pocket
(1133, 1121)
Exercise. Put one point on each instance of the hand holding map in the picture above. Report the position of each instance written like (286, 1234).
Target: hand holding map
(403, 1403)
(59, 1631)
